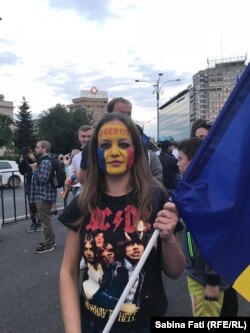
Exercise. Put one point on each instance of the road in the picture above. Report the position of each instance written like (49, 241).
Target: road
(29, 283)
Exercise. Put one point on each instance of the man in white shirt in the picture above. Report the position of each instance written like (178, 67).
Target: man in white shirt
(85, 133)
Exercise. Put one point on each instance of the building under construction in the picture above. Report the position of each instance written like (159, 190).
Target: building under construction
(212, 87)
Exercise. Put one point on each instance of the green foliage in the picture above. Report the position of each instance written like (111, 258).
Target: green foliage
(59, 126)
(24, 134)
(6, 134)
(11, 153)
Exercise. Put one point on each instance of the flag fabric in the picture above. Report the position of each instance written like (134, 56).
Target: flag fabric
(145, 138)
(213, 196)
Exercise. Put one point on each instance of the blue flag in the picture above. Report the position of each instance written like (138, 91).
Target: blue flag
(145, 138)
(213, 196)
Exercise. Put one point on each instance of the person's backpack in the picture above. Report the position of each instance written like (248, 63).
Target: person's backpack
(58, 173)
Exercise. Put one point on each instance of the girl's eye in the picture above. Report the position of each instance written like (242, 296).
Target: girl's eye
(124, 145)
(105, 145)
(108, 145)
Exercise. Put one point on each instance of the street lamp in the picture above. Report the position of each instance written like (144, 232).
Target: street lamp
(157, 87)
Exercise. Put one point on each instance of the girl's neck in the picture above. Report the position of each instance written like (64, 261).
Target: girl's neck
(118, 185)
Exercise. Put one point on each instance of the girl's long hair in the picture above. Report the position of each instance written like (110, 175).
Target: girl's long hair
(141, 181)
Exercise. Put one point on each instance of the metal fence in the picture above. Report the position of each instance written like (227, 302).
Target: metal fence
(14, 203)
(9, 201)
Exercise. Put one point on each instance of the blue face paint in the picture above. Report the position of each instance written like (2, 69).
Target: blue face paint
(101, 159)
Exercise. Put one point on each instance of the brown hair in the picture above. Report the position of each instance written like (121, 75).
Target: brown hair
(85, 128)
(45, 144)
(114, 101)
(189, 147)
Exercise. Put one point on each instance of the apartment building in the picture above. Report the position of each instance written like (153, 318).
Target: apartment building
(202, 100)
(212, 87)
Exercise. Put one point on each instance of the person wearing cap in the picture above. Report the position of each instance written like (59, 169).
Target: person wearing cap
(174, 150)
(169, 164)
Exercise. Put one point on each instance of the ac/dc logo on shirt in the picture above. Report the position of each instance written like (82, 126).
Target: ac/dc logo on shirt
(105, 219)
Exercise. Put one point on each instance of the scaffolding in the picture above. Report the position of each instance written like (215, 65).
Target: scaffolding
(227, 61)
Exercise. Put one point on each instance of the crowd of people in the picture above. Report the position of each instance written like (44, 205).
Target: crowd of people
(120, 195)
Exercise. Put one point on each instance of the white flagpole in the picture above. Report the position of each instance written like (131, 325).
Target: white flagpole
(131, 281)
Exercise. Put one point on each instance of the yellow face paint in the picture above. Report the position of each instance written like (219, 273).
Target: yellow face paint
(115, 148)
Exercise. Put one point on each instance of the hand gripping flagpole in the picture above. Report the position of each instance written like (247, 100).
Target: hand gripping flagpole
(131, 281)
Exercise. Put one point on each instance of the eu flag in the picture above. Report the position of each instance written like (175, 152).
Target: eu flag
(213, 196)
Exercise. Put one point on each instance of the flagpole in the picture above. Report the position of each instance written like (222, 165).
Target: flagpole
(131, 281)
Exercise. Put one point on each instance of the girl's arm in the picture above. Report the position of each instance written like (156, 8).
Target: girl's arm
(173, 259)
(69, 284)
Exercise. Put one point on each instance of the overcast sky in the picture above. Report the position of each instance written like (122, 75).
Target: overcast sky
(50, 50)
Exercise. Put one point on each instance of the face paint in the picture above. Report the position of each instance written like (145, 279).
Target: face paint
(115, 153)
(101, 159)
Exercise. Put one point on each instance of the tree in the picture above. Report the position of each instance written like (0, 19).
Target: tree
(79, 117)
(24, 134)
(6, 134)
(58, 125)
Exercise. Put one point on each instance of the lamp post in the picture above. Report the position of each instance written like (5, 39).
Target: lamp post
(157, 87)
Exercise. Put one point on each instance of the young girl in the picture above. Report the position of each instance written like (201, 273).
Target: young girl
(123, 201)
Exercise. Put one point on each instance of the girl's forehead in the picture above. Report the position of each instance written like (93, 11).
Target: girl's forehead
(113, 129)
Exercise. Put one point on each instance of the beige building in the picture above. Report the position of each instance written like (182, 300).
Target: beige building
(93, 101)
(6, 107)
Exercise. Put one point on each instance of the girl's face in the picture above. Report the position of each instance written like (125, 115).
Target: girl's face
(115, 151)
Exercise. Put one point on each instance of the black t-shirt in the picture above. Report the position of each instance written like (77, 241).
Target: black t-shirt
(84, 160)
(112, 242)
(170, 170)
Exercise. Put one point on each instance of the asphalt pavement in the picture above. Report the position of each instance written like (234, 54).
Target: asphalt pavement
(29, 301)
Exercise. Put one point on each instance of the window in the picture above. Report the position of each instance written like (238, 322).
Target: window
(5, 165)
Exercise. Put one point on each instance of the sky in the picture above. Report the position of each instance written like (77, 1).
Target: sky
(50, 50)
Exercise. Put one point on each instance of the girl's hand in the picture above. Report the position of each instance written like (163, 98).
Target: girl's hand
(166, 221)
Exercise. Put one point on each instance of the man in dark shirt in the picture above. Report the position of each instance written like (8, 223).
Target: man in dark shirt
(24, 166)
(169, 165)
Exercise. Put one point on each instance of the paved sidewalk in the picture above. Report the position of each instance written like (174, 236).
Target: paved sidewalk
(29, 301)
